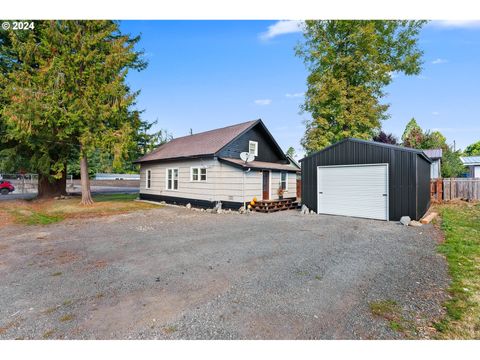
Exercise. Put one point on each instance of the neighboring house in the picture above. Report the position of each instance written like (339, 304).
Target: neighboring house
(473, 164)
(367, 179)
(435, 168)
(205, 168)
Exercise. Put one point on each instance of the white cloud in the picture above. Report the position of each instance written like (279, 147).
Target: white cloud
(439, 61)
(435, 113)
(263, 101)
(457, 23)
(282, 27)
(294, 95)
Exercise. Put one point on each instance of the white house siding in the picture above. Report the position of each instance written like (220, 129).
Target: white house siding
(186, 189)
(435, 169)
(233, 184)
(224, 182)
(275, 180)
(476, 172)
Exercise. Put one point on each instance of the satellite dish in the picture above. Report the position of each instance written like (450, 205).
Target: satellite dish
(247, 157)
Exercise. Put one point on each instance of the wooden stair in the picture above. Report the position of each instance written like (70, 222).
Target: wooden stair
(268, 206)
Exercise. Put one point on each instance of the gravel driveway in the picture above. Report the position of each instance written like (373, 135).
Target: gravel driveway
(171, 273)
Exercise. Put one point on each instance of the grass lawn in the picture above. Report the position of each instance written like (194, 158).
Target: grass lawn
(461, 225)
(44, 212)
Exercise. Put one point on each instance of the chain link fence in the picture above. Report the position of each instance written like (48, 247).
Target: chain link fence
(28, 183)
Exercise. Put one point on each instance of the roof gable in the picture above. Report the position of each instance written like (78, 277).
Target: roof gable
(268, 149)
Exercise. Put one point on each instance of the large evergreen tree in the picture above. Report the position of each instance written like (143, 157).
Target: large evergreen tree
(349, 64)
(29, 140)
(67, 93)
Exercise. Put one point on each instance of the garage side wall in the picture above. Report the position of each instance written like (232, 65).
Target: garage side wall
(423, 186)
(402, 173)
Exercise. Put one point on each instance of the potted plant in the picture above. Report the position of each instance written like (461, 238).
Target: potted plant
(280, 192)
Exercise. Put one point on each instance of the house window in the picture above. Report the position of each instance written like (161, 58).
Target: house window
(253, 147)
(199, 174)
(149, 179)
(172, 179)
(284, 180)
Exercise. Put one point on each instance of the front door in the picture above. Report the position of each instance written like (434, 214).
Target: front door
(266, 185)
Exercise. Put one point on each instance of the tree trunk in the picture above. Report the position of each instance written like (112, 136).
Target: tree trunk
(85, 181)
(48, 188)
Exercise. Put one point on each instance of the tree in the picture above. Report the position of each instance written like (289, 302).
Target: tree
(290, 152)
(29, 136)
(472, 149)
(147, 140)
(413, 135)
(416, 138)
(383, 137)
(69, 94)
(349, 64)
(452, 166)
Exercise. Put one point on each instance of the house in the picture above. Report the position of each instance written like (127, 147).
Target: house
(205, 168)
(473, 164)
(436, 156)
(367, 179)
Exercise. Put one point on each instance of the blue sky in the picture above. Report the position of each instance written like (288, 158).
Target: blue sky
(208, 74)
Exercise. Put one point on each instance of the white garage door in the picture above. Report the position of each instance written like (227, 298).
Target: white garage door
(354, 190)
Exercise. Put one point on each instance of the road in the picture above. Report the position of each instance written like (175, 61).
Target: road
(75, 191)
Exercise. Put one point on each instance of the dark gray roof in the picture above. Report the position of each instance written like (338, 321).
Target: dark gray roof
(433, 153)
(397, 147)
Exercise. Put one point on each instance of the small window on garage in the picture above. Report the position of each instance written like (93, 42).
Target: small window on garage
(253, 147)
(149, 179)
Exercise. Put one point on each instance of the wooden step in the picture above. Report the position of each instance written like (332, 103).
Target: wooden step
(268, 206)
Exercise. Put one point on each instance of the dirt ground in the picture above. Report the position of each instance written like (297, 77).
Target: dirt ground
(172, 273)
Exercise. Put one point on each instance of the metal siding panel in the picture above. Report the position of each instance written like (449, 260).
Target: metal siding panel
(402, 173)
(423, 187)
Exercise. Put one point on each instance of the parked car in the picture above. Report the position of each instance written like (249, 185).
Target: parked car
(6, 187)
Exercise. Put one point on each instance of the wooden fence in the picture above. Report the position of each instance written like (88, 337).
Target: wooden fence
(455, 188)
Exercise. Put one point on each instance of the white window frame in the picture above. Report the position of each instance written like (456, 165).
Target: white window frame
(250, 143)
(148, 179)
(173, 178)
(199, 174)
(286, 179)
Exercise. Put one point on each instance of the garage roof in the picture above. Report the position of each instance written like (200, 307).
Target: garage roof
(401, 148)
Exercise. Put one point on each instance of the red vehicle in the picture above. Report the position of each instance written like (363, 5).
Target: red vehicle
(6, 187)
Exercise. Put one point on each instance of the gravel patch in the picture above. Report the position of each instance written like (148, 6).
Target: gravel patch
(171, 273)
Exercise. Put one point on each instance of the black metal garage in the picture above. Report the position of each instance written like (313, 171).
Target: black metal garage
(408, 174)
